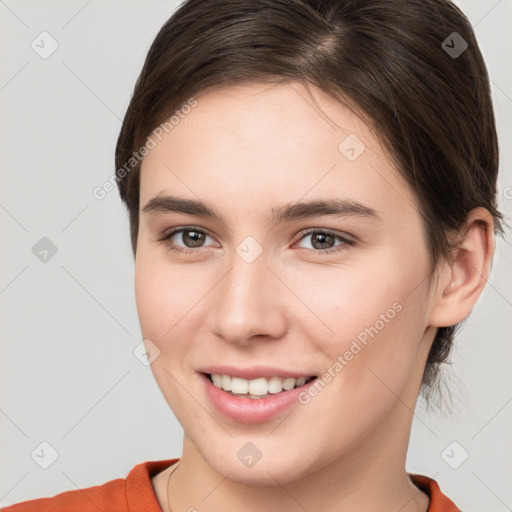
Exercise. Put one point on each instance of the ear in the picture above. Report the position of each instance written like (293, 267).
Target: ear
(462, 280)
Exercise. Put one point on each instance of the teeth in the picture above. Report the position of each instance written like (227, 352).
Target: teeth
(275, 385)
(256, 387)
(301, 381)
(225, 382)
(240, 386)
(217, 380)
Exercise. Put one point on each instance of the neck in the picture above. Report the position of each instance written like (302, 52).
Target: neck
(363, 479)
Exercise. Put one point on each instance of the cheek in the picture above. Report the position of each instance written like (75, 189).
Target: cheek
(148, 295)
(378, 323)
(162, 304)
(160, 297)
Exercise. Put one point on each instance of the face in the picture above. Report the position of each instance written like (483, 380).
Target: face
(266, 290)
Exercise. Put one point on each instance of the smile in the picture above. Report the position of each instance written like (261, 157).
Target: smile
(257, 388)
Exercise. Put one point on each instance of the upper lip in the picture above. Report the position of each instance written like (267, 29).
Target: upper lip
(253, 372)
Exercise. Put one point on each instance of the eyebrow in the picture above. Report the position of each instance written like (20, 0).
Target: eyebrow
(288, 212)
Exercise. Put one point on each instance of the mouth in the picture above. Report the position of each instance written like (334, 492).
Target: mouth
(258, 388)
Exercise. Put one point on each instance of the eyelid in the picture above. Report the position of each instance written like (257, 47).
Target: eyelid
(177, 229)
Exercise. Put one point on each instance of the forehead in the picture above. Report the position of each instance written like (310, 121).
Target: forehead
(253, 144)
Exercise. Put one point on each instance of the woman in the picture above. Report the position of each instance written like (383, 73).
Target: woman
(311, 191)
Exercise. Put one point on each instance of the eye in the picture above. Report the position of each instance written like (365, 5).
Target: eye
(322, 241)
(190, 235)
(193, 238)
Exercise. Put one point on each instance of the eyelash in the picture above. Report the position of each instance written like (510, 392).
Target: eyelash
(318, 252)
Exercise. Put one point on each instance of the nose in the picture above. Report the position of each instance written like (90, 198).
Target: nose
(249, 301)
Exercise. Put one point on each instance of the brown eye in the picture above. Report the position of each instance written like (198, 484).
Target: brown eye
(323, 242)
(190, 237)
(194, 238)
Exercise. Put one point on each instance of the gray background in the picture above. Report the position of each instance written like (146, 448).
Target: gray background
(69, 326)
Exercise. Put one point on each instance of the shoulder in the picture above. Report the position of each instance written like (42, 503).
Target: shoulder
(99, 497)
(439, 502)
(119, 495)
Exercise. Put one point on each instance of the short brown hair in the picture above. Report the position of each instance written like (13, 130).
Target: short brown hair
(387, 59)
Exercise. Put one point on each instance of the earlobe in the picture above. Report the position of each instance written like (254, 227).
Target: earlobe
(462, 280)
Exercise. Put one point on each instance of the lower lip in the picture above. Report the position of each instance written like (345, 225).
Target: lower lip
(249, 410)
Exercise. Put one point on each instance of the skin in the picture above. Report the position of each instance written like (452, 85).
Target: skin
(245, 150)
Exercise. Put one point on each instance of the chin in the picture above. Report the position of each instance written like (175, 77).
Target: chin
(277, 468)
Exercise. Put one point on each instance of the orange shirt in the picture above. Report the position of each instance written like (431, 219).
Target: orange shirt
(135, 494)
